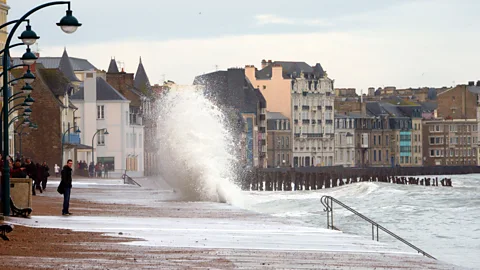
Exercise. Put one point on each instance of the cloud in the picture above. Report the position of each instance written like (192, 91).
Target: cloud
(264, 19)
(357, 59)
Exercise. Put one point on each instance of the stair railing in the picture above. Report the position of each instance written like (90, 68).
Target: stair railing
(328, 201)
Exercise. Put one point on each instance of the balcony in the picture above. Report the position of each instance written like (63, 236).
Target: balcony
(72, 138)
(263, 117)
(263, 142)
(262, 129)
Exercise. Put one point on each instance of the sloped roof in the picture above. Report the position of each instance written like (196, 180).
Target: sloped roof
(429, 106)
(66, 67)
(231, 88)
(141, 81)
(290, 69)
(55, 80)
(104, 92)
(78, 64)
(113, 68)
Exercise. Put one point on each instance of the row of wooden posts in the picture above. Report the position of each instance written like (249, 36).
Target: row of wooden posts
(292, 179)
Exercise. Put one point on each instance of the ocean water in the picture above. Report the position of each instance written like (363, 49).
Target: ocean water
(442, 221)
(199, 158)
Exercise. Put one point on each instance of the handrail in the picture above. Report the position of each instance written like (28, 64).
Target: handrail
(329, 209)
(128, 180)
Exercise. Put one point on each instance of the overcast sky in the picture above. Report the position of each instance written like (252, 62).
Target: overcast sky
(406, 43)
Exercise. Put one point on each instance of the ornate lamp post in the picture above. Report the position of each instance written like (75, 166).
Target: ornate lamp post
(63, 139)
(68, 24)
(105, 132)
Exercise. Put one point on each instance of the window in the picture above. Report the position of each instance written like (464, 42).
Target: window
(374, 140)
(101, 137)
(379, 155)
(432, 140)
(386, 155)
(100, 112)
(386, 140)
(374, 155)
(432, 153)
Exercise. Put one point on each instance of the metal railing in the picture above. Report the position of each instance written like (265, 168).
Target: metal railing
(328, 201)
(127, 180)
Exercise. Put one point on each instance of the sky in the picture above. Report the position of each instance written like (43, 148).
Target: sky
(361, 44)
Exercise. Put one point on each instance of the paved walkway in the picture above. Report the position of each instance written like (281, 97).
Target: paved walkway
(246, 239)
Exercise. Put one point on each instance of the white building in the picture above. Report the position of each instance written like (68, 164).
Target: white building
(100, 108)
(313, 115)
(344, 140)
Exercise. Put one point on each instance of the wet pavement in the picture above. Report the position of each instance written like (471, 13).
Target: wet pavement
(239, 236)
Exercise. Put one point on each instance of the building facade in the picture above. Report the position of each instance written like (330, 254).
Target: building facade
(274, 81)
(344, 140)
(313, 115)
(141, 112)
(100, 106)
(450, 142)
(279, 145)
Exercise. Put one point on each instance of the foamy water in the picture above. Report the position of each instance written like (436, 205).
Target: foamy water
(443, 221)
(198, 150)
(198, 160)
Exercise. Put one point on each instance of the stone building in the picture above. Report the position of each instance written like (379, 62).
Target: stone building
(386, 135)
(233, 92)
(451, 137)
(54, 114)
(450, 142)
(312, 115)
(344, 140)
(279, 144)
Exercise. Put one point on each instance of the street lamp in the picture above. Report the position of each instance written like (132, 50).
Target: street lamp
(63, 138)
(68, 24)
(105, 132)
(27, 89)
(29, 58)
(29, 37)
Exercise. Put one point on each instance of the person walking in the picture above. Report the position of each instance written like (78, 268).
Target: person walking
(46, 174)
(57, 170)
(66, 186)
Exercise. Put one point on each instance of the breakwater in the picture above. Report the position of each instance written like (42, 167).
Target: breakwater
(313, 178)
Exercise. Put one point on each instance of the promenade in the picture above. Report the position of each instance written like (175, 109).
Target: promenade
(117, 226)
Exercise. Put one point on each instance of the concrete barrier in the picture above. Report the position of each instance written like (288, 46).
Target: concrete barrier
(21, 192)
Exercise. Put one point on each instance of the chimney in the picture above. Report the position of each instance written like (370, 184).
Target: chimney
(264, 64)
(363, 107)
(90, 87)
(276, 71)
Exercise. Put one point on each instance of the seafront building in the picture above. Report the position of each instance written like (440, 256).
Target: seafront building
(101, 110)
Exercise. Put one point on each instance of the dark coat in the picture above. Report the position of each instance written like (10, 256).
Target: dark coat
(31, 170)
(18, 173)
(40, 172)
(67, 177)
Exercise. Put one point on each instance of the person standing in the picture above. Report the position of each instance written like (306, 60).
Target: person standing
(66, 184)
(31, 171)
